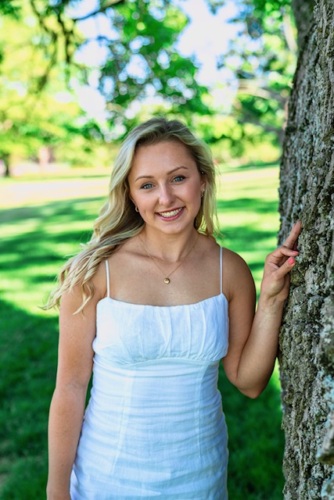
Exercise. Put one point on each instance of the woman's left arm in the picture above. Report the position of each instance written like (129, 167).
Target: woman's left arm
(253, 355)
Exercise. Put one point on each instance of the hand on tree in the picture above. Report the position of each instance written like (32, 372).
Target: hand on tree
(278, 264)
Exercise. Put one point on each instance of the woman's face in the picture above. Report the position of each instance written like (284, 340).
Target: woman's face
(166, 186)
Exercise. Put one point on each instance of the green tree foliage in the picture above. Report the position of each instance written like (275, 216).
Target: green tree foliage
(139, 70)
(143, 61)
(263, 58)
(137, 61)
(137, 47)
(36, 109)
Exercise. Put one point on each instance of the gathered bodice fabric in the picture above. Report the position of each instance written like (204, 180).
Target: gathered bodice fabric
(154, 425)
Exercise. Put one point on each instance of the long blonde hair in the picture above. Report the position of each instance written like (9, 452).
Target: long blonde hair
(118, 219)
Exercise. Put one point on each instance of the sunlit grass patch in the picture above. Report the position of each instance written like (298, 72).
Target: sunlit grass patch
(248, 213)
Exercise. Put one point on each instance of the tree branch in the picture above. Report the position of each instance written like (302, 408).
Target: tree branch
(288, 34)
(99, 11)
(254, 88)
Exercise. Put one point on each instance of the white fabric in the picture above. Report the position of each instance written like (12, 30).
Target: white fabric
(154, 426)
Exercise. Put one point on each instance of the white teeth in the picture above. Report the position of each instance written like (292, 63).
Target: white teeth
(171, 213)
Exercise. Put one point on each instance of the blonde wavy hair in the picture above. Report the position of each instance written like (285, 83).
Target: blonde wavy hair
(118, 219)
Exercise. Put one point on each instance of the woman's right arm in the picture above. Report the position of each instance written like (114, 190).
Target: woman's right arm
(75, 359)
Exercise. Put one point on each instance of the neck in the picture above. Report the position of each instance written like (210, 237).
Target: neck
(169, 248)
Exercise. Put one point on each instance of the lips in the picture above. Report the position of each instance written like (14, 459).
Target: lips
(170, 214)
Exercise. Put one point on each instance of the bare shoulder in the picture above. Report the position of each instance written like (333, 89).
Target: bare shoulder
(99, 280)
(233, 260)
(237, 275)
(124, 263)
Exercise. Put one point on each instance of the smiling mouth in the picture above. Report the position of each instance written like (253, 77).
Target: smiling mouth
(170, 213)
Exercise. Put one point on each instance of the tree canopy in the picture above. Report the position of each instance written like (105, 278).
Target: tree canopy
(138, 69)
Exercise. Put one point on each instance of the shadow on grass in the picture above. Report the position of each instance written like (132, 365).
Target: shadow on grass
(245, 240)
(55, 208)
(256, 443)
(28, 364)
(255, 205)
(246, 237)
(42, 233)
(243, 237)
(33, 246)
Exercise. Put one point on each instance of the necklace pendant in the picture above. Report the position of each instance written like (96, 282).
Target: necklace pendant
(167, 281)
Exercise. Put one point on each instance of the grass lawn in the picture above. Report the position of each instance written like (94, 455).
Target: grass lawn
(42, 222)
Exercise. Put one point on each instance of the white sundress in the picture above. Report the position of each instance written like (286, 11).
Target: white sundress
(154, 426)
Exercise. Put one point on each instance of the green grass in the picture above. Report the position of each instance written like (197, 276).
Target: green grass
(40, 226)
(248, 215)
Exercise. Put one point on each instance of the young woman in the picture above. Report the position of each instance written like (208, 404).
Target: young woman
(152, 306)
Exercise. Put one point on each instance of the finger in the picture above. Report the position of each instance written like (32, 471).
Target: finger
(281, 253)
(285, 268)
(293, 236)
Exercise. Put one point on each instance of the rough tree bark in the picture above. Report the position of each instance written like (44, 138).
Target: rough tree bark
(307, 192)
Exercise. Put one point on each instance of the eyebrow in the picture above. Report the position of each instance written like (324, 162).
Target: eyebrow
(168, 173)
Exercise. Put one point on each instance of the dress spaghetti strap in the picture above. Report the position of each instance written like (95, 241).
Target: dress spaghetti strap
(221, 270)
(107, 278)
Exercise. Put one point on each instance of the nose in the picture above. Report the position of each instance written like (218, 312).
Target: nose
(165, 195)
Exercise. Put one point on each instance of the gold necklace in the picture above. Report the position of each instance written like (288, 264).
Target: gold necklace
(167, 277)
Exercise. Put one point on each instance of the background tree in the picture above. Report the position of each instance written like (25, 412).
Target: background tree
(136, 42)
(137, 61)
(36, 108)
(262, 58)
(307, 192)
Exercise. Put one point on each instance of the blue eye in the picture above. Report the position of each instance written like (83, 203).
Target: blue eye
(179, 178)
(148, 185)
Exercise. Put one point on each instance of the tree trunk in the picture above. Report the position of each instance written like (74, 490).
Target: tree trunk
(307, 193)
(6, 161)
